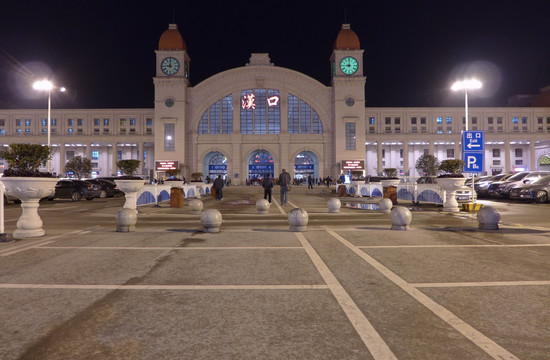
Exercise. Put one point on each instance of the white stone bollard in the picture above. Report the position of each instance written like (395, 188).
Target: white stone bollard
(488, 218)
(400, 218)
(195, 205)
(334, 205)
(263, 206)
(126, 220)
(385, 206)
(298, 219)
(211, 220)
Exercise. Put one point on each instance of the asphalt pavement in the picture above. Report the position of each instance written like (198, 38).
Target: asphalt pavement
(347, 288)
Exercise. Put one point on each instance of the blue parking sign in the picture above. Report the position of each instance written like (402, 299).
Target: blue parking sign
(473, 162)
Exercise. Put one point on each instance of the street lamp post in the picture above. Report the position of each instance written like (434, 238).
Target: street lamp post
(46, 85)
(466, 85)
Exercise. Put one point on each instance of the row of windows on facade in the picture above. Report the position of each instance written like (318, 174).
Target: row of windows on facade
(69, 154)
(518, 152)
(79, 123)
(260, 113)
(449, 120)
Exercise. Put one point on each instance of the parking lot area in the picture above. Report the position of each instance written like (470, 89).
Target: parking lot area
(347, 288)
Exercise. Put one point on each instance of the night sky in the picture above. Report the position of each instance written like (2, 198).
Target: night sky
(103, 50)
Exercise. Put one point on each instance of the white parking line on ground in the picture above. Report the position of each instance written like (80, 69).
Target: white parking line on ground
(486, 344)
(162, 287)
(373, 341)
(481, 284)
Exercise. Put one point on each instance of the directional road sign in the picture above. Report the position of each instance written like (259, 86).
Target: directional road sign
(472, 141)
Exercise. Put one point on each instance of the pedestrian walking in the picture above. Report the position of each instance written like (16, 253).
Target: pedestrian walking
(310, 182)
(218, 186)
(284, 183)
(267, 184)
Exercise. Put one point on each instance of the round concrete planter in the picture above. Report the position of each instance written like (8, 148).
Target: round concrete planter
(130, 189)
(450, 185)
(30, 190)
(334, 205)
(263, 206)
(211, 221)
(298, 219)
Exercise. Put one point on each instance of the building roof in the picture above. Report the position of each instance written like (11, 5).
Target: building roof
(542, 99)
(347, 39)
(171, 39)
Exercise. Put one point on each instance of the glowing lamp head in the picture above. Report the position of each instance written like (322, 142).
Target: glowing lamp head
(467, 85)
(43, 85)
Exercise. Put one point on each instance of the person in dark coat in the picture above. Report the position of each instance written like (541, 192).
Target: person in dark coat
(218, 185)
(267, 184)
(284, 183)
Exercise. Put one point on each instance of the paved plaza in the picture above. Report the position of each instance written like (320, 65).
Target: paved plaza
(347, 288)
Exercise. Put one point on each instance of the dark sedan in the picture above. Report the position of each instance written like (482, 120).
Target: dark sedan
(75, 190)
(108, 188)
(536, 191)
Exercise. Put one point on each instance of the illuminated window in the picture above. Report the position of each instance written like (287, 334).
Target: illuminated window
(350, 136)
(449, 120)
(95, 154)
(123, 122)
(515, 120)
(371, 120)
(27, 122)
(218, 119)
(70, 122)
(302, 118)
(439, 120)
(169, 134)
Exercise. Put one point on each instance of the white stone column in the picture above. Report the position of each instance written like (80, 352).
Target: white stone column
(406, 157)
(114, 168)
(140, 157)
(532, 158)
(62, 160)
(379, 166)
(507, 156)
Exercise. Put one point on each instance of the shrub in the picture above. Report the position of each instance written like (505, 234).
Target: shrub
(390, 172)
(451, 168)
(79, 166)
(128, 167)
(427, 165)
(25, 159)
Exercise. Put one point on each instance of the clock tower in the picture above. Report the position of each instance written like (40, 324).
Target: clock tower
(171, 86)
(348, 95)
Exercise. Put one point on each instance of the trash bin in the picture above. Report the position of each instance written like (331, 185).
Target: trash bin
(341, 190)
(176, 197)
(390, 192)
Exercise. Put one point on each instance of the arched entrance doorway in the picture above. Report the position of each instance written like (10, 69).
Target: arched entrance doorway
(305, 164)
(260, 164)
(214, 164)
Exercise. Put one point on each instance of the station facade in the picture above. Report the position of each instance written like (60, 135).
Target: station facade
(258, 119)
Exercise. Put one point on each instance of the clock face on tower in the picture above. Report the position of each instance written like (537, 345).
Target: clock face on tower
(349, 65)
(170, 66)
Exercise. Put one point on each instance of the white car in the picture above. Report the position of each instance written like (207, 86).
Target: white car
(463, 195)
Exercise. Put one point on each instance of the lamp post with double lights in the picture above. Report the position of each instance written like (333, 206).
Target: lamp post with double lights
(47, 85)
(471, 84)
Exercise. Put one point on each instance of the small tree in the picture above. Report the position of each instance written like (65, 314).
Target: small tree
(452, 167)
(196, 176)
(390, 172)
(79, 166)
(25, 159)
(128, 167)
(427, 165)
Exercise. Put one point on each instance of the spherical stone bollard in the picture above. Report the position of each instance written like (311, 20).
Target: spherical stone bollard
(488, 218)
(195, 205)
(334, 205)
(298, 219)
(263, 206)
(211, 220)
(400, 218)
(126, 220)
(385, 206)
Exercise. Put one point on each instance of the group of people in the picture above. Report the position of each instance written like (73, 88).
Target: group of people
(283, 181)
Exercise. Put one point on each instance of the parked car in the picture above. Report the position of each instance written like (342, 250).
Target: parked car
(493, 191)
(108, 188)
(481, 186)
(463, 195)
(536, 191)
(503, 190)
(75, 190)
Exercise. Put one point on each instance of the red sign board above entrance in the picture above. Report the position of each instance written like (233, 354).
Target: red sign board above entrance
(166, 165)
(353, 164)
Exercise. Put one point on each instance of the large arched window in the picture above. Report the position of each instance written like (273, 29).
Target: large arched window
(260, 111)
(302, 118)
(218, 119)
